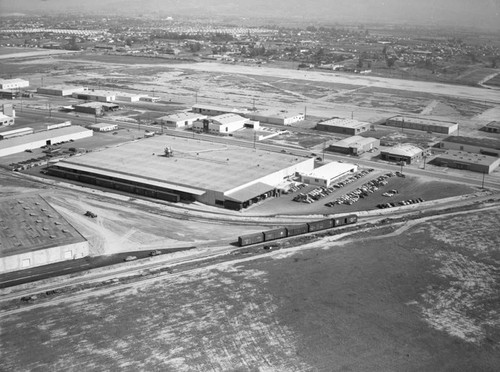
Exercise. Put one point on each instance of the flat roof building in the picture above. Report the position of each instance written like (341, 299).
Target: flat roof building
(46, 138)
(328, 173)
(33, 234)
(103, 127)
(403, 153)
(60, 90)
(468, 161)
(424, 124)
(282, 117)
(211, 110)
(6, 120)
(212, 173)
(180, 119)
(13, 83)
(128, 97)
(15, 133)
(95, 95)
(343, 126)
(220, 124)
(355, 145)
(484, 146)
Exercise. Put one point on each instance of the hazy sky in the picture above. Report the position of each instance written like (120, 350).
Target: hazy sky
(480, 13)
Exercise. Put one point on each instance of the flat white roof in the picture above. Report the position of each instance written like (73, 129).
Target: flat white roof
(62, 87)
(102, 125)
(10, 81)
(277, 114)
(42, 136)
(354, 140)
(14, 131)
(227, 119)
(346, 123)
(331, 170)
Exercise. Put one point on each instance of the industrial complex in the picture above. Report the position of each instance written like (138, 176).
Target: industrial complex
(33, 234)
(190, 170)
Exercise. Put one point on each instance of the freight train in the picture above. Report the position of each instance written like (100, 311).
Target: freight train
(284, 232)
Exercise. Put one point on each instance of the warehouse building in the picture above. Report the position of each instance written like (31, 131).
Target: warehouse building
(485, 146)
(96, 108)
(328, 173)
(492, 127)
(128, 97)
(13, 83)
(403, 153)
(468, 161)
(221, 124)
(175, 169)
(103, 127)
(60, 90)
(15, 133)
(343, 126)
(276, 117)
(355, 145)
(149, 99)
(180, 120)
(46, 138)
(428, 125)
(95, 95)
(34, 234)
(215, 110)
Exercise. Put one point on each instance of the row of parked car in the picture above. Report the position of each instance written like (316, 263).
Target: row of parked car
(321, 192)
(362, 191)
(401, 203)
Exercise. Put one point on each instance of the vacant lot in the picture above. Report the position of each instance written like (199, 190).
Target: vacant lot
(423, 298)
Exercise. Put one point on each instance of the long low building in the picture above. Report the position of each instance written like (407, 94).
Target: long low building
(328, 173)
(221, 124)
(13, 83)
(484, 146)
(60, 90)
(46, 138)
(355, 145)
(103, 127)
(15, 133)
(468, 161)
(33, 234)
(211, 110)
(403, 153)
(276, 117)
(424, 124)
(95, 108)
(95, 95)
(343, 126)
(191, 170)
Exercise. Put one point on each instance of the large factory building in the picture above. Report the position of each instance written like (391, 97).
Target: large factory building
(46, 138)
(485, 146)
(425, 124)
(33, 234)
(176, 169)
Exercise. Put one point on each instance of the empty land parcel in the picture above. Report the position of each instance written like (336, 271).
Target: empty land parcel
(400, 301)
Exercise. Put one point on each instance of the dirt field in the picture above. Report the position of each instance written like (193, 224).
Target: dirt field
(420, 298)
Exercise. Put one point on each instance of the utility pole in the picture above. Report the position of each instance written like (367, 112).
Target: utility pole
(254, 139)
(305, 112)
(482, 183)
(352, 115)
(196, 97)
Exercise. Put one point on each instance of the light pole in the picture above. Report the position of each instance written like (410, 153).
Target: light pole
(482, 183)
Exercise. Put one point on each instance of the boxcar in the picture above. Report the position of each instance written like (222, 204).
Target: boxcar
(297, 229)
(250, 239)
(352, 218)
(320, 225)
(274, 234)
(338, 221)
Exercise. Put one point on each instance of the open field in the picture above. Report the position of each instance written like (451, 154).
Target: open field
(418, 298)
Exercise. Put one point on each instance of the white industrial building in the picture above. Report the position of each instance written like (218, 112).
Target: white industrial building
(34, 234)
(103, 127)
(221, 124)
(343, 126)
(355, 145)
(60, 90)
(128, 97)
(6, 120)
(405, 152)
(328, 173)
(45, 138)
(282, 117)
(180, 120)
(13, 83)
(15, 133)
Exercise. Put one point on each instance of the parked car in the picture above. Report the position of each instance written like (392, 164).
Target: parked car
(154, 253)
(130, 258)
(90, 214)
